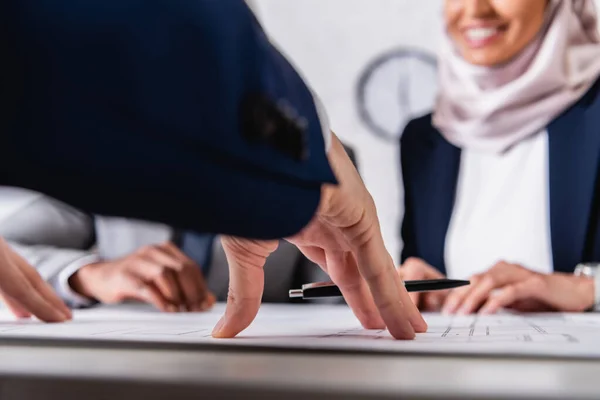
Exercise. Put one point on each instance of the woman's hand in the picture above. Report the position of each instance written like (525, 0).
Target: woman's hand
(513, 286)
(417, 269)
(161, 275)
(24, 291)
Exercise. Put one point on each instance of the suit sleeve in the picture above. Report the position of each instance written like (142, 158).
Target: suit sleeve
(322, 113)
(180, 112)
(56, 265)
(407, 226)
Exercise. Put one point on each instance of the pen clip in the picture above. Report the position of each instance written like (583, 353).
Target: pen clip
(299, 293)
(317, 284)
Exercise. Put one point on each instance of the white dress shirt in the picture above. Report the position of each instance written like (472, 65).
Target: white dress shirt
(501, 210)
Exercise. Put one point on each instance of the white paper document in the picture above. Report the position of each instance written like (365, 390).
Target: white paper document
(328, 327)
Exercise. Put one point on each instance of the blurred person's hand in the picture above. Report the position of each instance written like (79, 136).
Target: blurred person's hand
(161, 275)
(344, 239)
(417, 269)
(24, 291)
(513, 286)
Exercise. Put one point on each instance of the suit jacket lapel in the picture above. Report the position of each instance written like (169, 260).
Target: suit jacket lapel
(435, 187)
(573, 166)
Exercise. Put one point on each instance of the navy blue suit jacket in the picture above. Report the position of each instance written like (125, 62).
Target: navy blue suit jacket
(430, 168)
(178, 111)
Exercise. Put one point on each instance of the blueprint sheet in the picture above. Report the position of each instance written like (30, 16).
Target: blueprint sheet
(328, 327)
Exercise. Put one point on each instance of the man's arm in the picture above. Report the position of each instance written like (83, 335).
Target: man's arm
(345, 240)
(180, 112)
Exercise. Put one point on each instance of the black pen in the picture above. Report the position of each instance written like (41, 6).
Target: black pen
(329, 289)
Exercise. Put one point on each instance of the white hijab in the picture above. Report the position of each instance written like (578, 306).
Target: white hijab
(493, 108)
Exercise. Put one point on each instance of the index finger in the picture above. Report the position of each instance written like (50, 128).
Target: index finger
(417, 269)
(398, 311)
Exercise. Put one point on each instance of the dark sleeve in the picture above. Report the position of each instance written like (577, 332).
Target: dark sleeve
(177, 111)
(407, 225)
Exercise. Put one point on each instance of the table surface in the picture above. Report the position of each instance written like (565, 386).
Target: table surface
(63, 370)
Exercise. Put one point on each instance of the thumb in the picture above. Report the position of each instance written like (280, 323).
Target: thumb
(246, 259)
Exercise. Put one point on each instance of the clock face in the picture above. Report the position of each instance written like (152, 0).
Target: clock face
(396, 87)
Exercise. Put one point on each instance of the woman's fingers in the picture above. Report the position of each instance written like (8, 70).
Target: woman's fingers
(530, 289)
(470, 298)
(456, 297)
(542, 292)
(478, 294)
(417, 269)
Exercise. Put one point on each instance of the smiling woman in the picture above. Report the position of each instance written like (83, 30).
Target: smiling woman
(492, 32)
(506, 167)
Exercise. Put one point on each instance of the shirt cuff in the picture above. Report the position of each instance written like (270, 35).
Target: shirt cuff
(324, 119)
(64, 290)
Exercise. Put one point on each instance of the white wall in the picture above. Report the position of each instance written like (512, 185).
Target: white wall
(332, 42)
